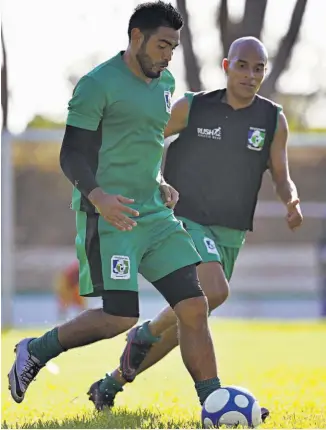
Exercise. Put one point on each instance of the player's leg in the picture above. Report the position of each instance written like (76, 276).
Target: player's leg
(170, 266)
(215, 286)
(117, 304)
(33, 353)
(181, 289)
(214, 273)
(93, 241)
(191, 309)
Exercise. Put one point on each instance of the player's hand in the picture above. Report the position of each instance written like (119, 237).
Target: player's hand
(169, 194)
(294, 216)
(112, 208)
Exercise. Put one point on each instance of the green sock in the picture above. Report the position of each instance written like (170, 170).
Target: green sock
(110, 385)
(205, 388)
(144, 334)
(46, 347)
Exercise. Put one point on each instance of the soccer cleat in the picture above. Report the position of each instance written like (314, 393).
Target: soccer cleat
(23, 371)
(264, 414)
(100, 399)
(133, 355)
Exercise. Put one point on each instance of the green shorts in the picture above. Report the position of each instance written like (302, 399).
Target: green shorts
(110, 259)
(216, 243)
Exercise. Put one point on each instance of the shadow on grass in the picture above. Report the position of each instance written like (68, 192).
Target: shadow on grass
(119, 418)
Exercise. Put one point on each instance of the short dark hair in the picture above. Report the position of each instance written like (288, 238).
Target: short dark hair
(151, 15)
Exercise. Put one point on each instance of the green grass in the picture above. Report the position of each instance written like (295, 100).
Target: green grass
(284, 364)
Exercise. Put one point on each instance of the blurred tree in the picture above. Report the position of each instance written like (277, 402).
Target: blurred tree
(40, 121)
(4, 84)
(252, 24)
(190, 60)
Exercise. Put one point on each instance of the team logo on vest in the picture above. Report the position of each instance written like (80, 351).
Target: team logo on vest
(210, 245)
(256, 138)
(210, 133)
(168, 103)
(120, 267)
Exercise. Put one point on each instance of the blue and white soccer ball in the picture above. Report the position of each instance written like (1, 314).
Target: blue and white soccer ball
(231, 406)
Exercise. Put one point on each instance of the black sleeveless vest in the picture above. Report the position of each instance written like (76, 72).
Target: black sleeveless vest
(218, 160)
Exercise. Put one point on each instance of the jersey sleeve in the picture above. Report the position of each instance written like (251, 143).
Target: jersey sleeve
(189, 95)
(172, 86)
(85, 108)
(279, 111)
(168, 79)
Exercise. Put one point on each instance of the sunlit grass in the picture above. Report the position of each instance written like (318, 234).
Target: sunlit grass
(284, 364)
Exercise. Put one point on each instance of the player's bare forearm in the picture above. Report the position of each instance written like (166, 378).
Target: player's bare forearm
(279, 166)
(169, 194)
(286, 191)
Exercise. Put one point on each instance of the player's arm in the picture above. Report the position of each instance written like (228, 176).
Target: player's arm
(178, 121)
(179, 117)
(86, 110)
(73, 160)
(279, 169)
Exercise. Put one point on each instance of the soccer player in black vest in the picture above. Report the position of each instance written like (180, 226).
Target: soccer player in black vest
(228, 139)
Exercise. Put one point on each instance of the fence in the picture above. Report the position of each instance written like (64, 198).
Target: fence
(38, 225)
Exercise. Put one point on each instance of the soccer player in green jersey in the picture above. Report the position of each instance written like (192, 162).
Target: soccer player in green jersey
(112, 153)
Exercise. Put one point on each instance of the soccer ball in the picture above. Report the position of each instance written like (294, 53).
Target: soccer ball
(231, 406)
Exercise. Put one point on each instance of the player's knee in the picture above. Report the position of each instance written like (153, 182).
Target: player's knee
(214, 283)
(192, 312)
(218, 296)
(179, 286)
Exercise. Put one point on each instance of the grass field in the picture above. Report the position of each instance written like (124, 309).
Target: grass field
(284, 364)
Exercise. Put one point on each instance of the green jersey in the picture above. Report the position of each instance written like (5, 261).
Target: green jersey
(129, 117)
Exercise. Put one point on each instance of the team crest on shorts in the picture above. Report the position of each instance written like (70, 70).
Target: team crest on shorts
(168, 102)
(210, 245)
(120, 267)
(256, 138)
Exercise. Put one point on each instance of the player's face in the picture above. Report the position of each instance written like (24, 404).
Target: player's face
(246, 71)
(156, 52)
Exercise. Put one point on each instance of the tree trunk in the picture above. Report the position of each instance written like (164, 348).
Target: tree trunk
(253, 18)
(189, 56)
(251, 24)
(4, 85)
(284, 53)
